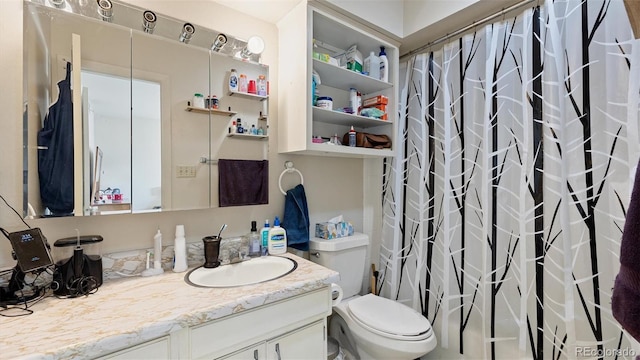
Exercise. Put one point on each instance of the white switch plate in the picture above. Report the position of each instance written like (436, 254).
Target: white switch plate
(186, 171)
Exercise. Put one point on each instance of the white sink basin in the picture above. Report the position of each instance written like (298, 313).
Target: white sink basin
(247, 272)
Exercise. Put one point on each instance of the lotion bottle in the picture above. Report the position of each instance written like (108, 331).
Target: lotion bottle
(180, 248)
(384, 65)
(277, 239)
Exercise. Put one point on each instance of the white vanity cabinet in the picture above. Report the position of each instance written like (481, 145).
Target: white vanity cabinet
(314, 28)
(154, 349)
(308, 342)
(295, 328)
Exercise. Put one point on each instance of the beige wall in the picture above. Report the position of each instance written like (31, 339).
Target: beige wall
(333, 185)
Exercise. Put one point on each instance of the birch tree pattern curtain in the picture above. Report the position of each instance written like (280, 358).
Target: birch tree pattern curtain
(504, 207)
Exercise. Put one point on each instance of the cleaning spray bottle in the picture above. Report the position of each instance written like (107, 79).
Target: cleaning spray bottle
(277, 239)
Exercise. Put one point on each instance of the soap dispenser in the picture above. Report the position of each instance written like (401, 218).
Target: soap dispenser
(277, 239)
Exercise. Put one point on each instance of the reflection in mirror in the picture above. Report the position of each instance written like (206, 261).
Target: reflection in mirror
(132, 87)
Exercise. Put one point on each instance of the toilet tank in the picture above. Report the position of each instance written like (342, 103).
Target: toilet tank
(346, 255)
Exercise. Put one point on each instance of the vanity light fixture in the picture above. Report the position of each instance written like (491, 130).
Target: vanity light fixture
(105, 9)
(219, 42)
(148, 21)
(255, 46)
(187, 33)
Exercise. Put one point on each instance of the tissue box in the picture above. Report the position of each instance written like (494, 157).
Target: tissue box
(329, 230)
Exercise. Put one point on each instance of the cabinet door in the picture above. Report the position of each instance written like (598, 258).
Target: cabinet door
(308, 342)
(155, 349)
(253, 352)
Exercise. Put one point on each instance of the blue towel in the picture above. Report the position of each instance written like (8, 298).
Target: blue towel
(296, 218)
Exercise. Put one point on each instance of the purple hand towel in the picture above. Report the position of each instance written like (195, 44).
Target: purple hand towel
(625, 301)
(243, 182)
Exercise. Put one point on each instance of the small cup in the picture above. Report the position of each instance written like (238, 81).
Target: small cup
(251, 89)
(211, 251)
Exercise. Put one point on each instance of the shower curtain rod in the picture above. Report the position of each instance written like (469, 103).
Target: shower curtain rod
(468, 27)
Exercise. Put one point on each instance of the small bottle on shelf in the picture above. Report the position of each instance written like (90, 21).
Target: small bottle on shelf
(233, 81)
(352, 137)
(239, 128)
(260, 131)
(233, 128)
(242, 83)
(253, 130)
(262, 85)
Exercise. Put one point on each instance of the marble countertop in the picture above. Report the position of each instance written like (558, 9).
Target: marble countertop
(129, 311)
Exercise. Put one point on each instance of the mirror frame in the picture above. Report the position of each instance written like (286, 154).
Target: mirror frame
(203, 38)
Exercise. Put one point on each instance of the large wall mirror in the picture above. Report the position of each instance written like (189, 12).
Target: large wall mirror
(110, 122)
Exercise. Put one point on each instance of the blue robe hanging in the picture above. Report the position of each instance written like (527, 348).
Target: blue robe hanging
(55, 154)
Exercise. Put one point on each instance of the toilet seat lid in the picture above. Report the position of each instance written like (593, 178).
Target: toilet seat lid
(388, 316)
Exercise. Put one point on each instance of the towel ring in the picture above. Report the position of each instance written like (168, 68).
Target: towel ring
(288, 168)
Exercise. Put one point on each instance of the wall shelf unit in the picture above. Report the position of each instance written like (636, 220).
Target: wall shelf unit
(299, 120)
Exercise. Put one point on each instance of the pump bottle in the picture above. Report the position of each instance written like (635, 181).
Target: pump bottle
(255, 241)
(352, 137)
(264, 235)
(277, 239)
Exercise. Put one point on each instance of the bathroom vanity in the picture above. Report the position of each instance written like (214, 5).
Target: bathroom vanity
(163, 317)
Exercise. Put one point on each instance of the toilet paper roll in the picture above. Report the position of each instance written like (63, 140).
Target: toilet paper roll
(336, 294)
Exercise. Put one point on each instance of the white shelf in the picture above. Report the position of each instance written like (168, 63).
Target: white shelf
(326, 149)
(210, 111)
(248, 136)
(337, 77)
(247, 95)
(341, 118)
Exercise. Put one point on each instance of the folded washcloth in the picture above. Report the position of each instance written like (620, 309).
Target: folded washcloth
(625, 301)
(296, 218)
(243, 182)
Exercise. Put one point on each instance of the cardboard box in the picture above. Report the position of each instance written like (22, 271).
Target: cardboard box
(376, 100)
(327, 230)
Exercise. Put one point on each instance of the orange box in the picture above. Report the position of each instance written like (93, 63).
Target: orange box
(376, 100)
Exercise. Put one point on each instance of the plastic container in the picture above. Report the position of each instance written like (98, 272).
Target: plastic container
(372, 65)
(325, 102)
(262, 85)
(352, 137)
(384, 65)
(277, 239)
(180, 249)
(233, 81)
(264, 235)
(242, 83)
(198, 100)
(255, 241)
(239, 128)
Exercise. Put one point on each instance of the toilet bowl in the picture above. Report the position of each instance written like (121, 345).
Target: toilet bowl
(380, 328)
(369, 326)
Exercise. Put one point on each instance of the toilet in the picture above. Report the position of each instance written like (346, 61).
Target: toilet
(369, 326)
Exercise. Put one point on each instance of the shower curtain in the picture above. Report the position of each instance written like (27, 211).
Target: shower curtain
(505, 202)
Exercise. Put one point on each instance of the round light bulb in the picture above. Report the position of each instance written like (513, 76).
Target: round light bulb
(255, 45)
